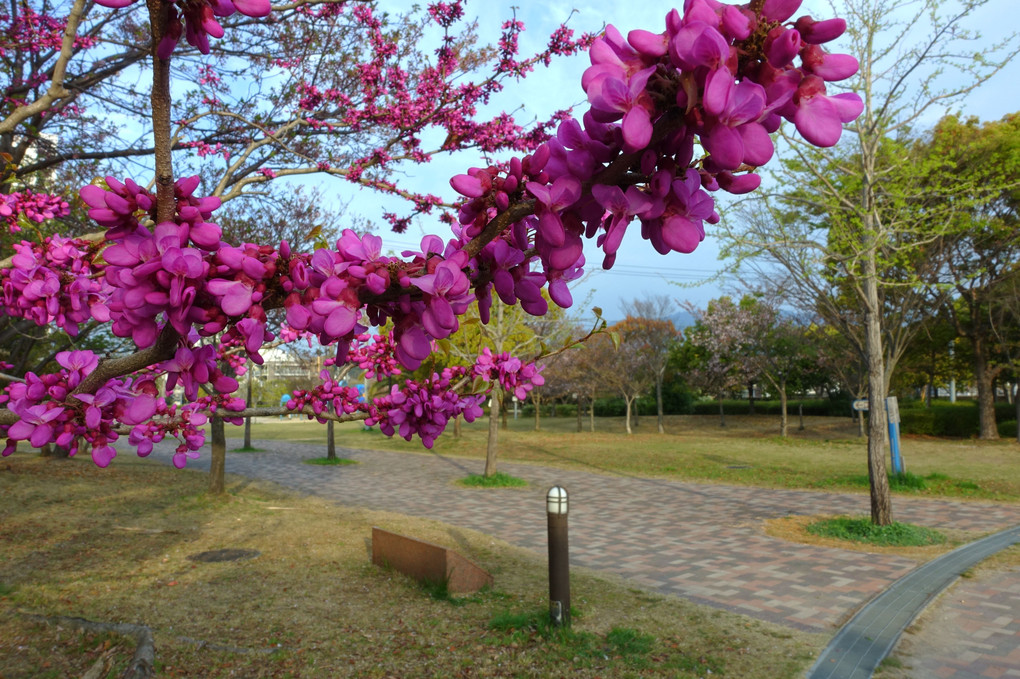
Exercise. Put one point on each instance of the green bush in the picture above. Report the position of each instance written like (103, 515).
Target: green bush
(958, 420)
(1007, 429)
(562, 409)
(816, 407)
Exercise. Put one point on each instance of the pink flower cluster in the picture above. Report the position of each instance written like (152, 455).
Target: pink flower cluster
(25, 30)
(330, 397)
(199, 20)
(515, 377)
(37, 207)
(185, 423)
(425, 407)
(50, 412)
(374, 354)
(722, 74)
(53, 282)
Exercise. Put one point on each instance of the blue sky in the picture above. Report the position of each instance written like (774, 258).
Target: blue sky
(640, 271)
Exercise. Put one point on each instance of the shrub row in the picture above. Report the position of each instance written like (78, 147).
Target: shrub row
(820, 407)
(948, 419)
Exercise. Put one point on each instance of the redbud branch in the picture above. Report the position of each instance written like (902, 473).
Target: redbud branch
(273, 411)
(56, 89)
(162, 350)
(166, 205)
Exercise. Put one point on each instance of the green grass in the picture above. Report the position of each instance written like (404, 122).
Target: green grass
(908, 482)
(247, 449)
(621, 650)
(326, 462)
(827, 455)
(863, 530)
(497, 480)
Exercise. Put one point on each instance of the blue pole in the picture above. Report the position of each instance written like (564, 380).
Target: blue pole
(894, 447)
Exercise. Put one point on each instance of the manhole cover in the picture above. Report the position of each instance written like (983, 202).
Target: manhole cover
(217, 555)
(739, 466)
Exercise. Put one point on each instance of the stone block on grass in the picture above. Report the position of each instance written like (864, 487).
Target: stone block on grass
(427, 562)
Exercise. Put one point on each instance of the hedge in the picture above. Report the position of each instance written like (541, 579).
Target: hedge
(820, 407)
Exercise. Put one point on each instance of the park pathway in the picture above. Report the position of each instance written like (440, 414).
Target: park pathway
(699, 541)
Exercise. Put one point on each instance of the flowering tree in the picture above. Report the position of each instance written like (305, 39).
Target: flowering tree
(162, 275)
(650, 333)
(717, 351)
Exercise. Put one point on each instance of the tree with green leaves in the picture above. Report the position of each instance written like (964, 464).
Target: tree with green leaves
(983, 247)
(858, 227)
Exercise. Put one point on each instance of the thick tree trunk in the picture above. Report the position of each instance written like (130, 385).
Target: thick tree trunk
(54, 452)
(247, 420)
(1016, 404)
(800, 414)
(722, 413)
(658, 404)
(492, 446)
(881, 502)
(985, 391)
(783, 420)
(591, 413)
(628, 401)
(580, 408)
(330, 441)
(537, 402)
(218, 458)
(456, 427)
(750, 398)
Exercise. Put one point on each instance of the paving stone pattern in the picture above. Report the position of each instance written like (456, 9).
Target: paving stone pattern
(971, 632)
(698, 541)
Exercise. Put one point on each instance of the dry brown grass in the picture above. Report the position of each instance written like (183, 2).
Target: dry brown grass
(112, 545)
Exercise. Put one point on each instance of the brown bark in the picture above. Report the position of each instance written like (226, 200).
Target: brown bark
(658, 403)
(247, 420)
(983, 379)
(881, 502)
(330, 441)
(783, 419)
(218, 458)
(492, 445)
(628, 400)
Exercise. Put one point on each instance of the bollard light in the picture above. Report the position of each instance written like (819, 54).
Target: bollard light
(556, 500)
(559, 557)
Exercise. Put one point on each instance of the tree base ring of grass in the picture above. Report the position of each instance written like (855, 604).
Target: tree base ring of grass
(497, 480)
(862, 530)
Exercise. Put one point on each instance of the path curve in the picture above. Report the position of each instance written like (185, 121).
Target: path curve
(703, 542)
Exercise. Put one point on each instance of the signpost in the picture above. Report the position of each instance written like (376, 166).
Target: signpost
(892, 413)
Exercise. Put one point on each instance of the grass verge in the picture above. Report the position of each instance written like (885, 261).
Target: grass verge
(497, 480)
(826, 455)
(861, 529)
(327, 462)
(112, 546)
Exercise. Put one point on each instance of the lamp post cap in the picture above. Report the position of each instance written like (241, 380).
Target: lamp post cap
(556, 500)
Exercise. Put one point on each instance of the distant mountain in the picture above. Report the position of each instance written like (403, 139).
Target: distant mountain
(681, 320)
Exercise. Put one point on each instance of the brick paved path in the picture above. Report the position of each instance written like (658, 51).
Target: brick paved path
(698, 541)
(971, 632)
